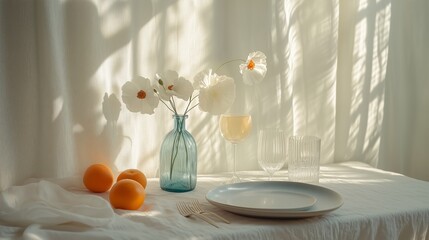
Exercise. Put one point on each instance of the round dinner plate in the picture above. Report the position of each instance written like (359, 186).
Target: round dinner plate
(275, 199)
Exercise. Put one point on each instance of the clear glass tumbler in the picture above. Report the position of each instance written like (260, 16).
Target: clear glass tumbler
(304, 159)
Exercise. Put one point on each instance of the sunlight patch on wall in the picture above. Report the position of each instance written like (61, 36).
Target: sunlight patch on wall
(113, 22)
(57, 107)
(358, 80)
(378, 77)
(370, 55)
(363, 4)
(77, 128)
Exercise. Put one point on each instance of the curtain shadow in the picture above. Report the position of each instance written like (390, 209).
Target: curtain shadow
(212, 149)
(308, 43)
(364, 37)
(75, 39)
(281, 71)
(85, 50)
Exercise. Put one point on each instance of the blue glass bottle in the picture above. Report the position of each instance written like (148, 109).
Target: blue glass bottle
(178, 159)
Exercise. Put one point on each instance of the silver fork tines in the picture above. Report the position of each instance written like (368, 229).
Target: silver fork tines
(186, 211)
(196, 206)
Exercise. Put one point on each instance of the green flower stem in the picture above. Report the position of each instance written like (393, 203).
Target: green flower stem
(191, 108)
(176, 142)
(166, 105)
(189, 103)
(234, 60)
(174, 151)
(191, 99)
(173, 104)
(186, 154)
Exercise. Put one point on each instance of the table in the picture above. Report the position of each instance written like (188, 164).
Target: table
(377, 205)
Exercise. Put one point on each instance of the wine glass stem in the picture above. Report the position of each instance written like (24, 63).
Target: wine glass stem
(234, 148)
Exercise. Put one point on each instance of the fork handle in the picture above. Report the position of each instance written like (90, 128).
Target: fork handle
(206, 219)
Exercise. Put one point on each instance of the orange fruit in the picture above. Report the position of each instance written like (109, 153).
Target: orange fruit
(98, 178)
(127, 194)
(135, 175)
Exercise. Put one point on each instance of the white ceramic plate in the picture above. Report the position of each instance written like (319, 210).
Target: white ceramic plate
(275, 199)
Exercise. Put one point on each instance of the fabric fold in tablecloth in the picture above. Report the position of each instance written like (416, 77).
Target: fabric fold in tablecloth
(48, 204)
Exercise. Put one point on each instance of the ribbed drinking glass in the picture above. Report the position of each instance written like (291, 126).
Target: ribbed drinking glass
(304, 159)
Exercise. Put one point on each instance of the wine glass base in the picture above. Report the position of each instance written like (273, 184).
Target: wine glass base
(234, 179)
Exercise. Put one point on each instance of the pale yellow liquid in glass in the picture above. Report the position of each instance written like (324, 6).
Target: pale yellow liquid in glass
(235, 128)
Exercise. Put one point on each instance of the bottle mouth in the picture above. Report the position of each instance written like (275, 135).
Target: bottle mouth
(179, 116)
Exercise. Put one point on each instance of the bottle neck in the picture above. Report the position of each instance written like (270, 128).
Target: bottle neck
(180, 122)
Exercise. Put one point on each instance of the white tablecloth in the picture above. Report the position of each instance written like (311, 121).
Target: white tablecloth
(377, 205)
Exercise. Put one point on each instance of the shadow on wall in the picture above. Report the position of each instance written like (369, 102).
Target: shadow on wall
(94, 34)
(52, 74)
(196, 29)
(72, 58)
(92, 42)
(299, 94)
(313, 41)
(362, 62)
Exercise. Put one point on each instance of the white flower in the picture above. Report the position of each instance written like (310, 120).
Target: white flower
(111, 107)
(217, 93)
(138, 96)
(170, 84)
(255, 68)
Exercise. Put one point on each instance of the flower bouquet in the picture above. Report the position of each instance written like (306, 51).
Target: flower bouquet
(212, 93)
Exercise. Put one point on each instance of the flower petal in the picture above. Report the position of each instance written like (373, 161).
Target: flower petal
(130, 92)
(204, 79)
(217, 98)
(170, 76)
(258, 69)
(256, 75)
(182, 88)
(142, 82)
(173, 85)
(132, 103)
(258, 57)
(146, 108)
(161, 92)
(199, 80)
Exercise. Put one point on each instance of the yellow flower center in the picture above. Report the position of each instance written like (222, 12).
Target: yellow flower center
(170, 87)
(251, 65)
(141, 94)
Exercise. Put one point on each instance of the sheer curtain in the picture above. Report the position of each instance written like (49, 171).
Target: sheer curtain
(355, 73)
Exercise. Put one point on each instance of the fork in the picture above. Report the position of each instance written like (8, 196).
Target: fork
(186, 211)
(196, 206)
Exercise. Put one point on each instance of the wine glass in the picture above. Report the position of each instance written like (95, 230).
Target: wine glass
(235, 128)
(271, 150)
